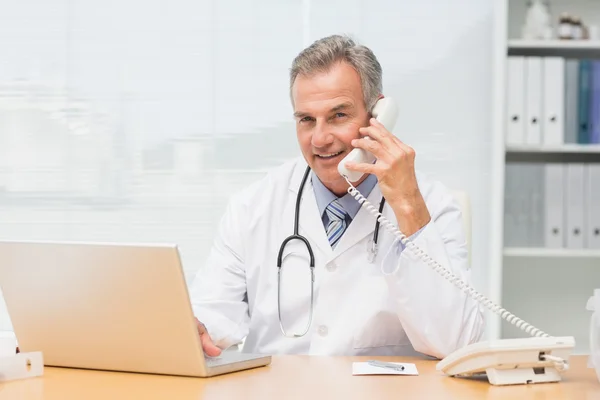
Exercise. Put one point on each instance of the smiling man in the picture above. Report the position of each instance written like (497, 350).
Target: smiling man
(391, 303)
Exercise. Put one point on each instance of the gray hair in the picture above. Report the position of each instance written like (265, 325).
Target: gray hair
(324, 53)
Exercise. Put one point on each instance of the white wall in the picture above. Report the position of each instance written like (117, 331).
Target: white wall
(155, 73)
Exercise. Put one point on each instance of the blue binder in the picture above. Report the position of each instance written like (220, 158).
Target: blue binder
(594, 113)
(585, 72)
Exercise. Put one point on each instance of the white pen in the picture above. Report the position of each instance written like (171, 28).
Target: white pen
(387, 365)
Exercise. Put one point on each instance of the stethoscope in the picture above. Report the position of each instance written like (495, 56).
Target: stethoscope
(371, 249)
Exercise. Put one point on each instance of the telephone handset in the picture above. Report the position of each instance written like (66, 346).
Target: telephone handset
(506, 361)
(386, 112)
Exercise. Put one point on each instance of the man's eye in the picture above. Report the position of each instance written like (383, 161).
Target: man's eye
(340, 115)
(306, 119)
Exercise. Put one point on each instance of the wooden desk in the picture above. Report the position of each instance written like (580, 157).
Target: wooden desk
(296, 377)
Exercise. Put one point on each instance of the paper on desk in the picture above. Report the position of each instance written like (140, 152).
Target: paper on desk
(364, 368)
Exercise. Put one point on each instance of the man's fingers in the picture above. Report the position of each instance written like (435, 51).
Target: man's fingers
(386, 141)
(361, 167)
(390, 135)
(370, 145)
(377, 131)
(374, 133)
(207, 344)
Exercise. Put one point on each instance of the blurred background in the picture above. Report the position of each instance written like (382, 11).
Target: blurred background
(134, 121)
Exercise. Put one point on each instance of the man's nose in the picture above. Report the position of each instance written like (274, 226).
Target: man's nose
(322, 135)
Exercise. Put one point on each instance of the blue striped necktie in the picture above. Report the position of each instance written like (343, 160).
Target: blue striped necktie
(337, 222)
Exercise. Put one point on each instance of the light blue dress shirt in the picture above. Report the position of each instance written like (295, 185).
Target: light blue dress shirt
(351, 206)
(324, 196)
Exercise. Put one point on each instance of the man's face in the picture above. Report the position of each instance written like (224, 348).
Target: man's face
(329, 109)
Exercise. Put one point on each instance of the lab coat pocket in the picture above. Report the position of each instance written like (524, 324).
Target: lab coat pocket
(380, 330)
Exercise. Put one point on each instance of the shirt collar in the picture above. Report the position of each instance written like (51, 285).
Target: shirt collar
(324, 196)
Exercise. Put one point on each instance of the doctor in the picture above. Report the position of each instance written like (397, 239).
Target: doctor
(388, 304)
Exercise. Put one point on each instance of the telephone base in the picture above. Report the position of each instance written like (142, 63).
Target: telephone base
(512, 361)
(522, 376)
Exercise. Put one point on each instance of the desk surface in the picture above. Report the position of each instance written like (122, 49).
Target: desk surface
(296, 377)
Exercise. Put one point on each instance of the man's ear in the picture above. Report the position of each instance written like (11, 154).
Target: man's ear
(381, 96)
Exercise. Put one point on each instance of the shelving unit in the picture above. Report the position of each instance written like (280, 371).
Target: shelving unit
(562, 48)
(553, 45)
(556, 149)
(557, 153)
(546, 287)
(541, 252)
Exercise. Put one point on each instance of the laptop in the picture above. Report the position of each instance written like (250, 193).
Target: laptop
(107, 306)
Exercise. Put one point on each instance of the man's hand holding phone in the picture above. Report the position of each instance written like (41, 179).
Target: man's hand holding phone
(395, 171)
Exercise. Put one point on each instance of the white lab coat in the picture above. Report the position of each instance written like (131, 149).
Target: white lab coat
(358, 309)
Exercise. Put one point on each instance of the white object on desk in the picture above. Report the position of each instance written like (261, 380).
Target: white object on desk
(593, 304)
(20, 366)
(365, 368)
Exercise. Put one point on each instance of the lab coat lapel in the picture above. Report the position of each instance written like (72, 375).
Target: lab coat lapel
(311, 224)
(362, 225)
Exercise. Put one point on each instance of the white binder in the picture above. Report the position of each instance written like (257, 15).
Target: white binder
(554, 193)
(575, 205)
(553, 100)
(511, 232)
(593, 205)
(515, 96)
(517, 205)
(536, 213)
(534, 96)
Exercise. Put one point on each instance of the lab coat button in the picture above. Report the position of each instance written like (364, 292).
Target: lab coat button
(323, 330)
(331, 267)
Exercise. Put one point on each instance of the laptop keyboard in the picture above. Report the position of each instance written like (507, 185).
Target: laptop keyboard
(214, 361)
(228, 357)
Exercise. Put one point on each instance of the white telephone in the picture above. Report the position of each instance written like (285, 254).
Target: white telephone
(386, 112)
(507, 361)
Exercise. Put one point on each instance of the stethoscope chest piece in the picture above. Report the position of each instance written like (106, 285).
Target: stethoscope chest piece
(371, 251)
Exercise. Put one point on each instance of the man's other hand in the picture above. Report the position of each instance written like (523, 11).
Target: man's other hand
(207, 344)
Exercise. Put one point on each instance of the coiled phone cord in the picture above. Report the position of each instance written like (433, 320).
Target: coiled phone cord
(559, 363)
(444, 272)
